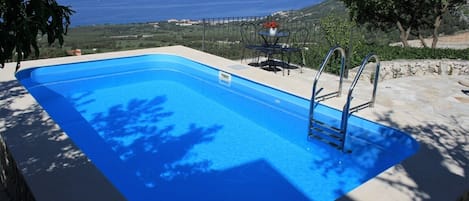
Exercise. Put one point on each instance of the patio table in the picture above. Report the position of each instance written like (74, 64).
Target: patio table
(271, 47)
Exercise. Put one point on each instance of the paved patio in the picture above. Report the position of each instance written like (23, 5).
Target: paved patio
(433, 110)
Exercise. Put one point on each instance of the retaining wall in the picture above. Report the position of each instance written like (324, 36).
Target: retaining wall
(405, 68)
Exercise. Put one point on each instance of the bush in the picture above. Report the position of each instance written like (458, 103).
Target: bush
(387, 53)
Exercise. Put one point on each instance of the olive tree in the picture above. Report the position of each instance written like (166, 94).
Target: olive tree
(340, 31)
(439, 9)
(411, 17)
(21, 22)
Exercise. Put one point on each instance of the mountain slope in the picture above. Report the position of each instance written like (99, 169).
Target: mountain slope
(315, 12)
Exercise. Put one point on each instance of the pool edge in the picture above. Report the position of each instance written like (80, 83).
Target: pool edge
(371, 190)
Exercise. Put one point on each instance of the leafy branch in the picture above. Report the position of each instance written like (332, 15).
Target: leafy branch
(21, 21)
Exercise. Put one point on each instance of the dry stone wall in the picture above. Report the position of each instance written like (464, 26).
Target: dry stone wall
(405, 68)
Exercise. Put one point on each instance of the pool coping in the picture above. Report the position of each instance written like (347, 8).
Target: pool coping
(400, 182)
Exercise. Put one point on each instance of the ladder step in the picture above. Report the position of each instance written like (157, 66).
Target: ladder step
(333, 144)
(326, 133)
(324, 126)
(325, 137)
(333, 136)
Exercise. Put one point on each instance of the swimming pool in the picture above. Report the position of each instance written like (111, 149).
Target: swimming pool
(165, 127)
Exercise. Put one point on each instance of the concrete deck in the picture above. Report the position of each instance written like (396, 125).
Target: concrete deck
(433, 110)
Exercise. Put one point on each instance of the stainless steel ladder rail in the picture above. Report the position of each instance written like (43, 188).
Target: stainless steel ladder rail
(335, 136)
(318, 129)
(347, 111)
(318, 74)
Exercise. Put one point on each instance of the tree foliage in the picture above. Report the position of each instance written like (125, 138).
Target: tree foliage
(337, 31)
(21, 21)
(410, 16)
(340, 31)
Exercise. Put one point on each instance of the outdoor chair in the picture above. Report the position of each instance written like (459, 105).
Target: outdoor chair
(250, 40)
(297, 46)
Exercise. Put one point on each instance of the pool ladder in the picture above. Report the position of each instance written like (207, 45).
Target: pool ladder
(323, 131)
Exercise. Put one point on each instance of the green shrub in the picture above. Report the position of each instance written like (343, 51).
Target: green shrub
(387, 53)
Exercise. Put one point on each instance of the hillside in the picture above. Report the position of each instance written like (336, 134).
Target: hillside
(459, 19)
(315, 12)
(325, 8)
(454, 23)
(105, 38)
(336, 7)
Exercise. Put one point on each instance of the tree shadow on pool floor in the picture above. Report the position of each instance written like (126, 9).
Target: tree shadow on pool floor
(150, 155)
(256, 180)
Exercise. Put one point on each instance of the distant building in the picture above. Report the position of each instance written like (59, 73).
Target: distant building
(184, 22)
(155, 24)
(281, 13)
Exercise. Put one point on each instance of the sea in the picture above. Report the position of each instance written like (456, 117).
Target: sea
(96, 12)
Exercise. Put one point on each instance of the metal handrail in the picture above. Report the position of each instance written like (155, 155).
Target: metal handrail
(318, 74)
(346, 111)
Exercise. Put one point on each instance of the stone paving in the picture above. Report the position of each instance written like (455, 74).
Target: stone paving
(434, 109)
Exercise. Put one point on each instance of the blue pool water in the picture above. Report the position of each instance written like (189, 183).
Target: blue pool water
(164, 127)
